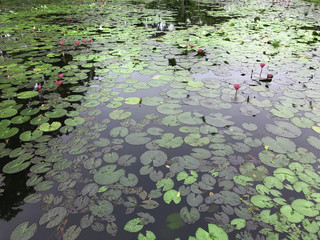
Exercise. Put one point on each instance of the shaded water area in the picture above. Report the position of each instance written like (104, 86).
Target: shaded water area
(159, 120)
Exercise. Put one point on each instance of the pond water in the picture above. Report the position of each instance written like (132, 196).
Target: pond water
(159, 120)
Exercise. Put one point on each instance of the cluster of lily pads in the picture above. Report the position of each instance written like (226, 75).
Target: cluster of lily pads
(231, 149)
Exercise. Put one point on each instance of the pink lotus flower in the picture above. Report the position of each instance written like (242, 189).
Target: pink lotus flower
(187, 46)
(61, 43)
(85, 41)
(58, 82)
(141, 9)
(218, 28)
(237, 87)
(77, 43)
(60, 75)
(191, 46)
(200, 51)
(39, 86)
(90, 40)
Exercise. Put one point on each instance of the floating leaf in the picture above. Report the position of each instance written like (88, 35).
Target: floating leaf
(189, 216)
(305, 207)
(15, 166)
(8, 132)
(137, 138)
(156, 157)
(108, 175)
(169, 141)
(239, 223)
(74, 121)
(46, 127)
(196, 140)
(72, 233)
(262, 201)
(30, 136)
(23, 232)
(149, 236)
(283, 129)
(171, 195)
(280, 144)
(133, 225)
(54, 217)
(102, 208)
(274, 160)
(7, 112)
(290, 214)
(27, 94)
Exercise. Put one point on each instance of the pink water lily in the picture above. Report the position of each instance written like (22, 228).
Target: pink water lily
(60, 75)
(90, 40)
(58, 82)
(218, 28)
(200, 51)
(39, 86)
(77, 43)
(85, 41)
(262, 66)
(269, 76)
(61, 43)
(192, 46)
(237, 87)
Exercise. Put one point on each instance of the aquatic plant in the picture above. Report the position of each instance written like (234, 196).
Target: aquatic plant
(261, 66)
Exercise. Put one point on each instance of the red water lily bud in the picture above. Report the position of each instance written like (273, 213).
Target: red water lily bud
(191, 46)
(60, 75)
(262, 65)
(237, 87)
(200, 51)
(61, 43)
(85, 41)
(39, 86)
(77, 43)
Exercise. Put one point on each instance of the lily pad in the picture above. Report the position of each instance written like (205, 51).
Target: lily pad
(30, 136)
(27, 94)
(46, 127)
(23, 232)
(53, 217)
(7, 112)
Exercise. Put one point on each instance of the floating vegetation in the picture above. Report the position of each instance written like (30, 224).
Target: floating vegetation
(126, 120)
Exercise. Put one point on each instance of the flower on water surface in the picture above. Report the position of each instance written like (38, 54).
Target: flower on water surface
(141, 9)
(85, 41)
(39, 86)
(187, 46)
(60, 75)
(200, 51)
(90, 40)
(58, 82)
(77, 43)
(192, 46)
(61, 43)
(218, 28)
(262, 65)
(237, 87)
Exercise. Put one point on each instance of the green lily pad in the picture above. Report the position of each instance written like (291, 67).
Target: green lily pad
(27, 94)
(15, 166)
(20, 119)
(172, 195)
(156, 157)
(74, 121)
(7, 112)
(119, 114)
(291, 215)
(46, 127)
(56, 113)
(189, 216)
(280, 144)
(8, 132)
(108, 175)
(102, 208)
(305, 207)
(30, 136)
(72, 233)
(283, 129)
(239, 223)
(53, 217)
(169, 141)
(137, 138)
(133, 225)
(274, 160)
(196, 140)
(262, 201)
(23, 232)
